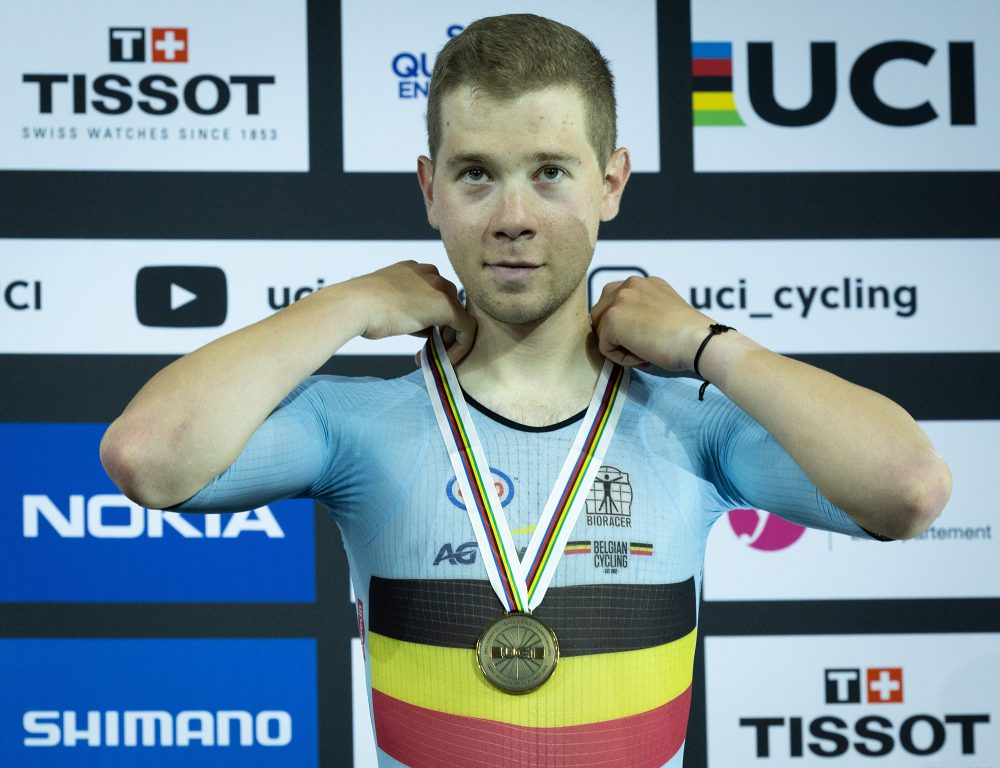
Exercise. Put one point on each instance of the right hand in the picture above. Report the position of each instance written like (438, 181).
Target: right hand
(411, 298)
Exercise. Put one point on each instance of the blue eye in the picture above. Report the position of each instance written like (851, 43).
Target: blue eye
(474, 175)
(551, 173)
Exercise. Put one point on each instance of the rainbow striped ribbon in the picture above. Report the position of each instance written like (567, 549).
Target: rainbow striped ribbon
(521, 585)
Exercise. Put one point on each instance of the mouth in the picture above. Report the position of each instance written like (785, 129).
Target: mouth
(512, 270)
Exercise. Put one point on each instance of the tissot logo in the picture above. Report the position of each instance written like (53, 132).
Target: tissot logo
(127, 44)
(181, 296)
(874, 735)
(883, 685)
(121, 87)
(893, 700)
(169, 44)
(158, 94)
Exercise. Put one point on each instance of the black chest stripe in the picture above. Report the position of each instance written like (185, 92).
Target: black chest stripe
(588, 619)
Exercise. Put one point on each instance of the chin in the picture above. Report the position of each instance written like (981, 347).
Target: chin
(516, 312)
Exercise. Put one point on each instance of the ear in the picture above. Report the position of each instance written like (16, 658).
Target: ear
(616, 175)
(425, 175)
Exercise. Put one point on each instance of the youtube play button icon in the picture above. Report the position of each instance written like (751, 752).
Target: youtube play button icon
(181, 296)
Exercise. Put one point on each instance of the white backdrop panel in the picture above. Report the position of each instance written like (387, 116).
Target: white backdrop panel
(846, 139)
(940, 680)
(263, 39)
(796, 296)
(387, 67)
(956, 557)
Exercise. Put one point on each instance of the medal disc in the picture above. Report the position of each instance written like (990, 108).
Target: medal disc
(517, 652)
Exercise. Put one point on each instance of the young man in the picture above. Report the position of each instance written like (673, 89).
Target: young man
(522, 169)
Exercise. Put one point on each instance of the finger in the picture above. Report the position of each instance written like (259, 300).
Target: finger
(625, 358)
(610, 288)
(463, 341)
(607, 298)
(447, 335)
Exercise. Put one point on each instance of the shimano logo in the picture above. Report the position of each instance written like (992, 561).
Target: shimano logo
(114, 516)
(157, 728)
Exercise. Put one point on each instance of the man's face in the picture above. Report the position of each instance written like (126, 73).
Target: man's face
(518, 195)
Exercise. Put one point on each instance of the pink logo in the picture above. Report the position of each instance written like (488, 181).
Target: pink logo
(764, 531)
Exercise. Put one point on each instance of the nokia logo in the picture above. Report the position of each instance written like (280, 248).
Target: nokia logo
(157, 728)
(114, 516)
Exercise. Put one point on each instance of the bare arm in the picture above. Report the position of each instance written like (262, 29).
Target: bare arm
(192, 419)
(862, 451)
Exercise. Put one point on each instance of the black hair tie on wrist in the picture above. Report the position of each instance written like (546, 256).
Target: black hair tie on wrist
(713, 330)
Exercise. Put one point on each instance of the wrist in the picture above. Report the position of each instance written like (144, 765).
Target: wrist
(722, 355)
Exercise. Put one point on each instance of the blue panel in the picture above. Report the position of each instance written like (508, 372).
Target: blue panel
(68, 535)
(46, 720)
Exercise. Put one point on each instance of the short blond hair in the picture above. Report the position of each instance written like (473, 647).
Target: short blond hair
(504, 57)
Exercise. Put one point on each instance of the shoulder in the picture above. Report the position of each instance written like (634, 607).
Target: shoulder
(674, 400)
(357, 393)
(650, 390)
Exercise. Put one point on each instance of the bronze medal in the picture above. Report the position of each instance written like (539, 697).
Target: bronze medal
(517, 652)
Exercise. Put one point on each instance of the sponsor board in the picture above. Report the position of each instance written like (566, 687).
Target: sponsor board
(849, 700)
(387, 69)
(836, 296)
(756, 556)
(236, 702)
(68, 535)
(813, 86)
(116, 86)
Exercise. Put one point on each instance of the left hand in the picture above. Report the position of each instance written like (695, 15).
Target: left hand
(643, 320)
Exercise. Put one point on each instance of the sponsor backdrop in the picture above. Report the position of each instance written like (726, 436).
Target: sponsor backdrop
(822, 177)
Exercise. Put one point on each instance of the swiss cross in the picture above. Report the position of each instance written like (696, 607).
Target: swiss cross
(885, 685)
(170, 44)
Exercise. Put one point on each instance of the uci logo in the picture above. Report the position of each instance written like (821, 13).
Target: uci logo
(503, 484)
(712, 67)
(763, 531)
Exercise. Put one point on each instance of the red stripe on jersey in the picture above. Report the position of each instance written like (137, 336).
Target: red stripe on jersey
(423, 738)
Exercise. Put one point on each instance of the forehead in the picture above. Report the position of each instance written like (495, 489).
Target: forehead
(548, 119)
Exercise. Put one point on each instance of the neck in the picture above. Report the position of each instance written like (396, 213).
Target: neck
(535, 374)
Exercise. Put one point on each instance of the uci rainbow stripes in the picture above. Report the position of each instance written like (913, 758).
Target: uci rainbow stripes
(521, 585)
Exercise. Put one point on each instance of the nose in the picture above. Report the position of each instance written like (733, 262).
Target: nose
(513, 217)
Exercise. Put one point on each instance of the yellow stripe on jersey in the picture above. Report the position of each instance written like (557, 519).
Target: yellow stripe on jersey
(583, 689)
